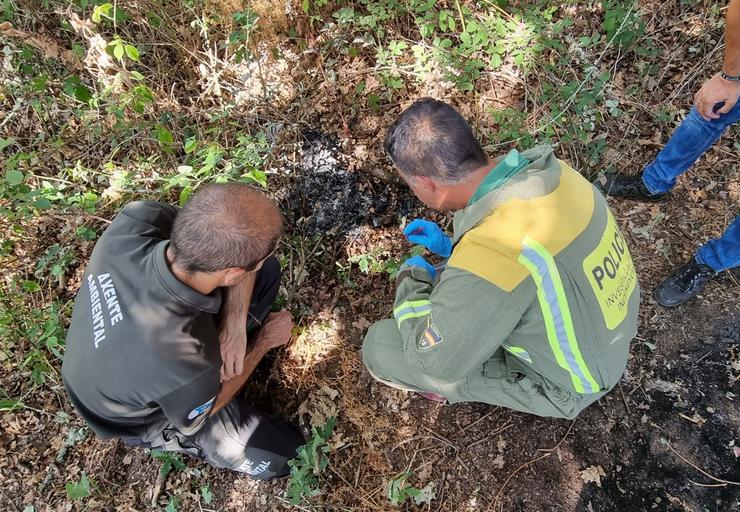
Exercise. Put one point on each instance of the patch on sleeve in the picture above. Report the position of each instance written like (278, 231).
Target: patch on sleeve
(201, 409)
(431, 336)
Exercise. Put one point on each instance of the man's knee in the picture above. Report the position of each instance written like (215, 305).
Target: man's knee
(382, 351)
(373, 351)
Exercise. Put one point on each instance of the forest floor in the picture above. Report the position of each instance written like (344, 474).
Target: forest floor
(311, 114)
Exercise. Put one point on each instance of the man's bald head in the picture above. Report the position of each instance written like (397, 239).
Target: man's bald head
(225, 226)
(430, 138)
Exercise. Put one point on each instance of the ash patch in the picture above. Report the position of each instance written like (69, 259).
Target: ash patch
(331, 199)
(688, 407)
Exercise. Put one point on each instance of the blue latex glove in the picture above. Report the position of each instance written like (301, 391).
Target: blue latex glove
(428, 234)
(419, 261)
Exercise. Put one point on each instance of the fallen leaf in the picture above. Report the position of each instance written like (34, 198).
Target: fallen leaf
(593, 474)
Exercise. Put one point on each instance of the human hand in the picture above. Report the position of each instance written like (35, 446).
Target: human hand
(233, 342)
(716, 90)
(419, 261)
(428, 234)
(276, 330)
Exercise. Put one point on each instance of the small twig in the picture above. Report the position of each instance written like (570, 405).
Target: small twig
(624, 399)
(721, 481)
(702, 357)
(480, 419)
(440, 438)
(707, 485)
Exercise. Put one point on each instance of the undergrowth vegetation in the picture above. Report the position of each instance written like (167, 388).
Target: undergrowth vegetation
(104, 102)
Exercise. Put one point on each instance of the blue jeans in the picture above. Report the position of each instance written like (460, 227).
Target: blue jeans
(690, 140)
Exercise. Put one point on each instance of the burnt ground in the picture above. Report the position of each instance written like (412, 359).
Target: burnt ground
(667, 439)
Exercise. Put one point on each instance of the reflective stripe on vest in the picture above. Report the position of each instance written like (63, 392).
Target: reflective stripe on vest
(519, 352)
(412, 309)
(558, 321)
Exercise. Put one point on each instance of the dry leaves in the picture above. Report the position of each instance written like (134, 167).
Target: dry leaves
(593, 474)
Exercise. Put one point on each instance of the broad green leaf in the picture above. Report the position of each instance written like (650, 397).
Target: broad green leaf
(100, 11)
(82, 93)
(206, 494)
(79, 490)
(38, 84)
(132, 52)
(78, 50)
(42, 203)
(14, 177)
(171, 505)
(191, 145)
(118, 51)
(30, 286)
(259, 177)
(164, 136)
(184, 195)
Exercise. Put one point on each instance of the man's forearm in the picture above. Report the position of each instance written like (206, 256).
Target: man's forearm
(732, 39)
(236, 306)
(231, 387)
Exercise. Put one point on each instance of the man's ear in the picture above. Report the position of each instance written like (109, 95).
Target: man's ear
(233, 275)
(427, 183)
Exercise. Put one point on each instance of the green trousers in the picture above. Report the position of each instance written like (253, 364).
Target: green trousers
(495, 382)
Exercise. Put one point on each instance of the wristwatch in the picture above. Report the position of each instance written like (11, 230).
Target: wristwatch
(729, 77)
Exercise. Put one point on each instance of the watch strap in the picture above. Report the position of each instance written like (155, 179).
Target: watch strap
(729, 77)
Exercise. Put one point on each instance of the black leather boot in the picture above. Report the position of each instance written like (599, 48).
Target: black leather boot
(629, 187)
(684, 284)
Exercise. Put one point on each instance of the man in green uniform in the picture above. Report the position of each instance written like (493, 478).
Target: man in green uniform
(157, 345)
(538, 301)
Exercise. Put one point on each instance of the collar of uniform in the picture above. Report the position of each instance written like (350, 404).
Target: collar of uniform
(210, 303)
(539, 176)
(502, 172)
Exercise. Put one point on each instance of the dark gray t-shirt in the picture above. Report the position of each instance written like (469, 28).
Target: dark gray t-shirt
(142, 348)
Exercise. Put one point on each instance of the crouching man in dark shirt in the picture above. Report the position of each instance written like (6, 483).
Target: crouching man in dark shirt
(157, 347)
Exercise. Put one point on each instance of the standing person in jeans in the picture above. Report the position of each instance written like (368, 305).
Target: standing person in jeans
(716, 108)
